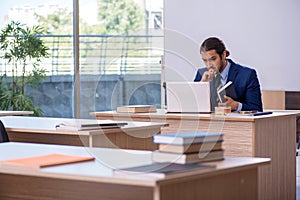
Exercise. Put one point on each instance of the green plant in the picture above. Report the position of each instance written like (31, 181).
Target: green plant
(23, 50)
(120, 16)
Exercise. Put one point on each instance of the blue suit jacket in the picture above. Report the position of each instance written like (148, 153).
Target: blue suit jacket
(246, 85)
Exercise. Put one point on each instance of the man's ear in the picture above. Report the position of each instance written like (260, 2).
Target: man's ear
(224, 55)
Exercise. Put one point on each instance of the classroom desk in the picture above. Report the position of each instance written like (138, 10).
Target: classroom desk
(14, 112)
(232, 179)
(135, 135)
(270, 136)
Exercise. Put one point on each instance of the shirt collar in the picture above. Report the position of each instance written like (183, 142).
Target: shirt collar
(225, 72)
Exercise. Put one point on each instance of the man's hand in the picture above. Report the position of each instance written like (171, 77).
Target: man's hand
(230, 102)
(208, 75)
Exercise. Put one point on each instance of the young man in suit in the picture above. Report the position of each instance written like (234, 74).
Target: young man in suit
(244, 79)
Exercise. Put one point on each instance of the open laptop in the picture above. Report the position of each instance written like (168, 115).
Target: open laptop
(188, 97)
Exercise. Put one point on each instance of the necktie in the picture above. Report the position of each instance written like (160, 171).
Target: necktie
(217, 84)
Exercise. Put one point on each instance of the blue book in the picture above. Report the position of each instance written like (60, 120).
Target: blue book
(186, 138)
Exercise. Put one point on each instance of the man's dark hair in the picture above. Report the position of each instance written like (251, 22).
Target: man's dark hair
(214, 43)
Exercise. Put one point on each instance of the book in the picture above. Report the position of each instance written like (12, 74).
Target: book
(255, 113)
(159, 170)
(136, 109)
(191, 148)
(186, 138)
(79, 124)
(262, 113)
(228, 89)
(36, 162)
(158, 156)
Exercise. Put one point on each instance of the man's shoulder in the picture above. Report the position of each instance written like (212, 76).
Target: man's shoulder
(239, 67)
(202, 70)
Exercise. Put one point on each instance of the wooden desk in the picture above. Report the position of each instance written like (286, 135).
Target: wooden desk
(270, 136)
(12, 112)
(232, 179)
(135, 135)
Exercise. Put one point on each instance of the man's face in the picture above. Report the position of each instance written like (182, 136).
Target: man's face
(213, 61)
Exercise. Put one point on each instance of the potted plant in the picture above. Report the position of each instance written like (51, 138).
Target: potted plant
(23, 50)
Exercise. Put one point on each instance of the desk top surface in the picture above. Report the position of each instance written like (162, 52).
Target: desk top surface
(47, 124)
(106, 159)
(11, 112)
(162, 114)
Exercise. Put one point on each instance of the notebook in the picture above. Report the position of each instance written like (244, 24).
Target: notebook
(188, 97)
(36, 162)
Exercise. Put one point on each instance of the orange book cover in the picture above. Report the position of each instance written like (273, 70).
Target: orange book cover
(45, 160)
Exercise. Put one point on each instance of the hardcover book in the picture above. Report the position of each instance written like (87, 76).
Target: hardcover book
(136, 109)
(191, 148)
(228, 89)
(186, 138)
(158, 156)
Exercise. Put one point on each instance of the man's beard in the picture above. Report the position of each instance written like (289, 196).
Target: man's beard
(222, 66)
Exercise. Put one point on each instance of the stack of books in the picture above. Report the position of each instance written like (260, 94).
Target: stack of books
(188, 147)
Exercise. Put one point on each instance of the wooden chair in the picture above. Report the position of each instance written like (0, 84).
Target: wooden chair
(298, 136)
(283, 100)
(3, 133)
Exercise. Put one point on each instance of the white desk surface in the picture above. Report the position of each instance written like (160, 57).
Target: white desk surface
(12, 112)
(101, 170)
(106, 158)
(47, 124)
(162, 114)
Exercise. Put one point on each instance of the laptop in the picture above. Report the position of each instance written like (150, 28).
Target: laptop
(188, 97)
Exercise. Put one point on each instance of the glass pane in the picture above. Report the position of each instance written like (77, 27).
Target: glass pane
(53, 94)
(121, 44)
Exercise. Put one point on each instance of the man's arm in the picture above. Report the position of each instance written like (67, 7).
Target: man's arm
(198, 76)
(252, 94)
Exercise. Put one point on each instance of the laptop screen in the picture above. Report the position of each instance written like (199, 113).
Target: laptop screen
(188, 97)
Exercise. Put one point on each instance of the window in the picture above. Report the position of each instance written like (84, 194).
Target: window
(120, 47)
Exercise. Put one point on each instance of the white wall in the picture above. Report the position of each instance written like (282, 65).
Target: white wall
(262, 34)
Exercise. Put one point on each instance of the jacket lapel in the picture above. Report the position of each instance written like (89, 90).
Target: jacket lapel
(232, 71)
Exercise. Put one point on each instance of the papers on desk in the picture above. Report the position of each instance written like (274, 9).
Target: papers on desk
(79, 124)
(36, 162)
(136, 109)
